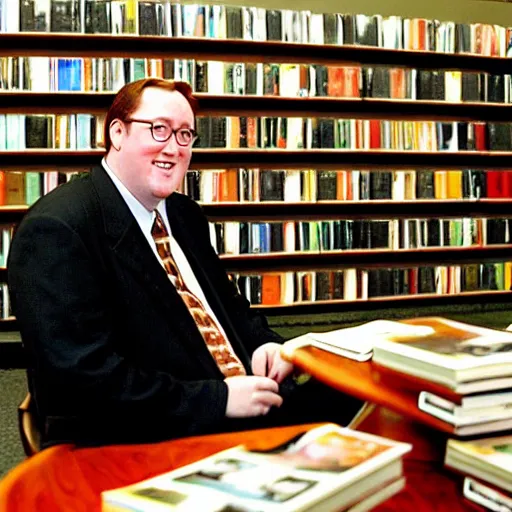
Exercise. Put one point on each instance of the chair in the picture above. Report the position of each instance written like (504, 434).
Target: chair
(29, 433)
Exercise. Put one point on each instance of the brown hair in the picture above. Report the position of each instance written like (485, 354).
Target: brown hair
(127, 100)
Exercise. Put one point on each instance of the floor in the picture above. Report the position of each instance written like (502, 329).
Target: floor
(13, 389)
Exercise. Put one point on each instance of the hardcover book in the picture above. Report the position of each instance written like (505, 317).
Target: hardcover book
(327, 468)
(477, 414)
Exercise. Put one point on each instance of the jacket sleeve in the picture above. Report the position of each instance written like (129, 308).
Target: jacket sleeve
(60, 300)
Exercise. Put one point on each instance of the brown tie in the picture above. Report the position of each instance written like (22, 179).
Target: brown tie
(219, 347)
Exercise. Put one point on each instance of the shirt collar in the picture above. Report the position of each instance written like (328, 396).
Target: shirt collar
(143, 216)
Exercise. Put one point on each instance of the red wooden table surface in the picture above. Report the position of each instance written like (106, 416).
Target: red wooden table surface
(64, 478)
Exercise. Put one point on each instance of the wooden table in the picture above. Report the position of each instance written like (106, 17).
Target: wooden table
(430, 487)
(64, 478)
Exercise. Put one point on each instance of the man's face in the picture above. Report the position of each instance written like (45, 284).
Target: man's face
(153, 170)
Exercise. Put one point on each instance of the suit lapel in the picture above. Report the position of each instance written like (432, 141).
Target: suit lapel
(132, 250)
(186, 239)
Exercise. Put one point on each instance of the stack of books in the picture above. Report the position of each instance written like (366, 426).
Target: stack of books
(328, 468)
(459, 373)
(463, 372)
(487, 468)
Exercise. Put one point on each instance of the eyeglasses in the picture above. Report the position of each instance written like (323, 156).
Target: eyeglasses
(162, 132)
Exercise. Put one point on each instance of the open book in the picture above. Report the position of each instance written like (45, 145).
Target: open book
(328, 468)
(356, 342)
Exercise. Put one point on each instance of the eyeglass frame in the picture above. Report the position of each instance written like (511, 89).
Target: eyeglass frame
(173, 132)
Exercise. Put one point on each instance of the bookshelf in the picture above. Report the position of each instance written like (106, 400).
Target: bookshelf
(60, 45)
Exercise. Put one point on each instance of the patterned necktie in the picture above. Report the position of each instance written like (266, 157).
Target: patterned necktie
(219, 347)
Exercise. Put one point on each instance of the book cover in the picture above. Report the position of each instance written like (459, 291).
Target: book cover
(448, 352)
(328, 466)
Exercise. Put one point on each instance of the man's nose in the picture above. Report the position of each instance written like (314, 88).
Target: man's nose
(171, 146)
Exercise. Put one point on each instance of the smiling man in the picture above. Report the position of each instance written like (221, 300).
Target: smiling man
(133, 331)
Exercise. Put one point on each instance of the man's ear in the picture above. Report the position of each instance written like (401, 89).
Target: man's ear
(116, 131)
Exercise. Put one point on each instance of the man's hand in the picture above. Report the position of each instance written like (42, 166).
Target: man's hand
(267, 362)
(251, 396)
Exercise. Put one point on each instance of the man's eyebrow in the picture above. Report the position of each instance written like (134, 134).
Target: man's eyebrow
(169, 122)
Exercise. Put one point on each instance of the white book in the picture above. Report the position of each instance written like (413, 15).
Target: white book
(248, 23)
(294, 134)
(215, 77)
(462, 415)
(287, 288)
(232, 238)
(39, 72)
(260, 24)
(350, 284)
(316, 22)
(289, 236)
(392, 32)
(292, 186)
(166, 16)
(6, 245)
(486, 496)
(12, 16)
(206, 186)
(304, 26)
(3, 131)
(260, 80)
(213, 236)
(488, 459)
(116, 16)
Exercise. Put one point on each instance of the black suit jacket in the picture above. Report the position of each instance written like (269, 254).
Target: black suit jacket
(113, 354)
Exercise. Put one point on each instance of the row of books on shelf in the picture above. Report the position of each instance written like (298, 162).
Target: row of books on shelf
(254, 185)
(286, 288)
(294, 186)
(18, 131)
(25, 188)
(67, 131)
(251, 23)
(309, 133)
(233, 238)
(45, 74)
